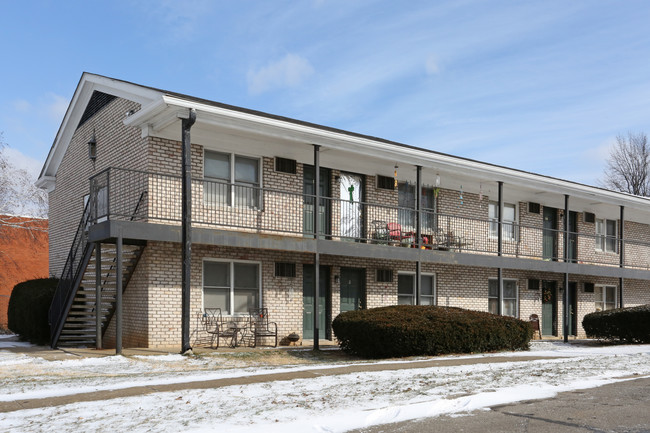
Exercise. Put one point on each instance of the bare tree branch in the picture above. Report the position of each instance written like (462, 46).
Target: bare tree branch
(628, 165)
(18, 194)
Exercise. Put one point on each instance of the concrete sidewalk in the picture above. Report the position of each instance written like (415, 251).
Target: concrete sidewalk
(304, 373)
(617, 407)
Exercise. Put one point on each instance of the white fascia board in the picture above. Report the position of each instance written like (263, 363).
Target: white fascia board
(402, 154)
(48, 183)
(87, 85)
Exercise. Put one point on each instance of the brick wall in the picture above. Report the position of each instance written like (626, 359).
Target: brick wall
(117, 146)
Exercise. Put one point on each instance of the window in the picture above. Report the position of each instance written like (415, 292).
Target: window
(406, 203)
(509, 220)
(406, 289)
(510, 297)
(226, 186)
(606, 235)
(605, 297)
(232, 286)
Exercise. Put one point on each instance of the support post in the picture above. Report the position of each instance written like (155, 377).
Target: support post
(500, 249)
(118, 296)
(565, 298)
(418, 232)
(317, 255)
(621, 255)
(98, 295)
(186, 229)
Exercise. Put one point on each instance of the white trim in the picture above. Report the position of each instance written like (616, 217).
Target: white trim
(515, 223)
(232, 282)
(604, 298)
(422, 274)
(501, 294)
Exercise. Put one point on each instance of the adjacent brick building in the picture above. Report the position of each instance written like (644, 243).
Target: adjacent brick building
(489, 238)
(23, 255)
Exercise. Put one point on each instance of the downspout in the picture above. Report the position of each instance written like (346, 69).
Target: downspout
(186, 228)
(565, 298)
(500, 251)
(621, 256)
(317, 254)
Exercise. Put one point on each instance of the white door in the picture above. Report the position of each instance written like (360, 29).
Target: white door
(351, 185)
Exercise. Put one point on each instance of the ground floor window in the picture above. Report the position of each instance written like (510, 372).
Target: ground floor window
(406, 289)
(232, 286)
(510, 297)
(605, 297)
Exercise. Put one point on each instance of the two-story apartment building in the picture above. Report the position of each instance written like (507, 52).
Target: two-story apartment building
(396, 224)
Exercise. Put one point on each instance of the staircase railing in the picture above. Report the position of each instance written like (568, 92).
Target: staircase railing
(65, 289)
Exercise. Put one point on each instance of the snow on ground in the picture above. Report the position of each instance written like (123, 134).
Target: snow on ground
(321, 404)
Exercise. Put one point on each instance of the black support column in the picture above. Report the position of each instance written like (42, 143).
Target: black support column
(118, 296)
(187, 230)
(317, 254)
(621, 256)
(98, 295)
(418, 234)
(500, 250)
(565, 298)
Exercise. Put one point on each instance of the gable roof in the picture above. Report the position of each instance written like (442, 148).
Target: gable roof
(161, 108)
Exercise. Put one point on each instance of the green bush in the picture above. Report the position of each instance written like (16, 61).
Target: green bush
(28, 308)
(629, 325)
(408, 330)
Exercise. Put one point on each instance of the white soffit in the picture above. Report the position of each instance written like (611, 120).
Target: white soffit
(171, 107)
(87, 85)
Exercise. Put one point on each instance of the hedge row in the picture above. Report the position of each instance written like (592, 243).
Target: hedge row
(28, 309)
(409, 330)
(628, 325)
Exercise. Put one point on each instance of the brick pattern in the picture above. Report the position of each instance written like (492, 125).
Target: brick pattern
(66, 201)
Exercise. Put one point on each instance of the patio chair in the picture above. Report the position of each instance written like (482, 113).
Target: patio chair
(534, 324)
(212, 324)
(259, 326)
(395, 233)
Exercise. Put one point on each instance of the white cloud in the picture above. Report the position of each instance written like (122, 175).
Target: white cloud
(22, 105)
(431, 66)
(21, 161)
(56, 106)
(290, 71)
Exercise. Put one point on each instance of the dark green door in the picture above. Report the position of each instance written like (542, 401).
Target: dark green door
(308, 301)
(549, 237)
(353, 287)
(308, 200)
(549, 308)
(573, 309)
(573, 237)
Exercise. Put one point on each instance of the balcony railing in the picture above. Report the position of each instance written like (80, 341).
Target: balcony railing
(157, 198)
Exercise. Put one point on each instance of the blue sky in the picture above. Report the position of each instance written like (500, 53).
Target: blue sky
(543, 86)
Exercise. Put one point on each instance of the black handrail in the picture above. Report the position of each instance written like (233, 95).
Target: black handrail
(69, 275)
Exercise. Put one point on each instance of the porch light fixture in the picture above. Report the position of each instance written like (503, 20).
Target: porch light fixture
(92, 147)
(336, 279)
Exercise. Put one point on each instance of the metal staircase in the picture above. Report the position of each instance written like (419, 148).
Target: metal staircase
(72, 314)
(79, 328)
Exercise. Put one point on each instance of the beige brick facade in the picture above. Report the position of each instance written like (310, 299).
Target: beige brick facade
(152, 300)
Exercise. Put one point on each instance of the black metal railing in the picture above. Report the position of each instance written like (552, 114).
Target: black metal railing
(251, 208)
(71, 269)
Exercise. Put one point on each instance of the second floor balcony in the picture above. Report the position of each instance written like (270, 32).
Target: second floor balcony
(130, 195)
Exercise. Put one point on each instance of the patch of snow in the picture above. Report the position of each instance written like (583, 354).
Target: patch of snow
(320, 404)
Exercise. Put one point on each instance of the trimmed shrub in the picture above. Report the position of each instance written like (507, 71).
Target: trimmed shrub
(629, 325)
(409, 330)
(28, 308)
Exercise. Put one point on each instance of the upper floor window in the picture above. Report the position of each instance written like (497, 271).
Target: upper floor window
(406, 203)
(606, 235)
(225, 185)
(406, 289)
(232, 286)
(509, 220)
(605, 297)
(509, 300)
